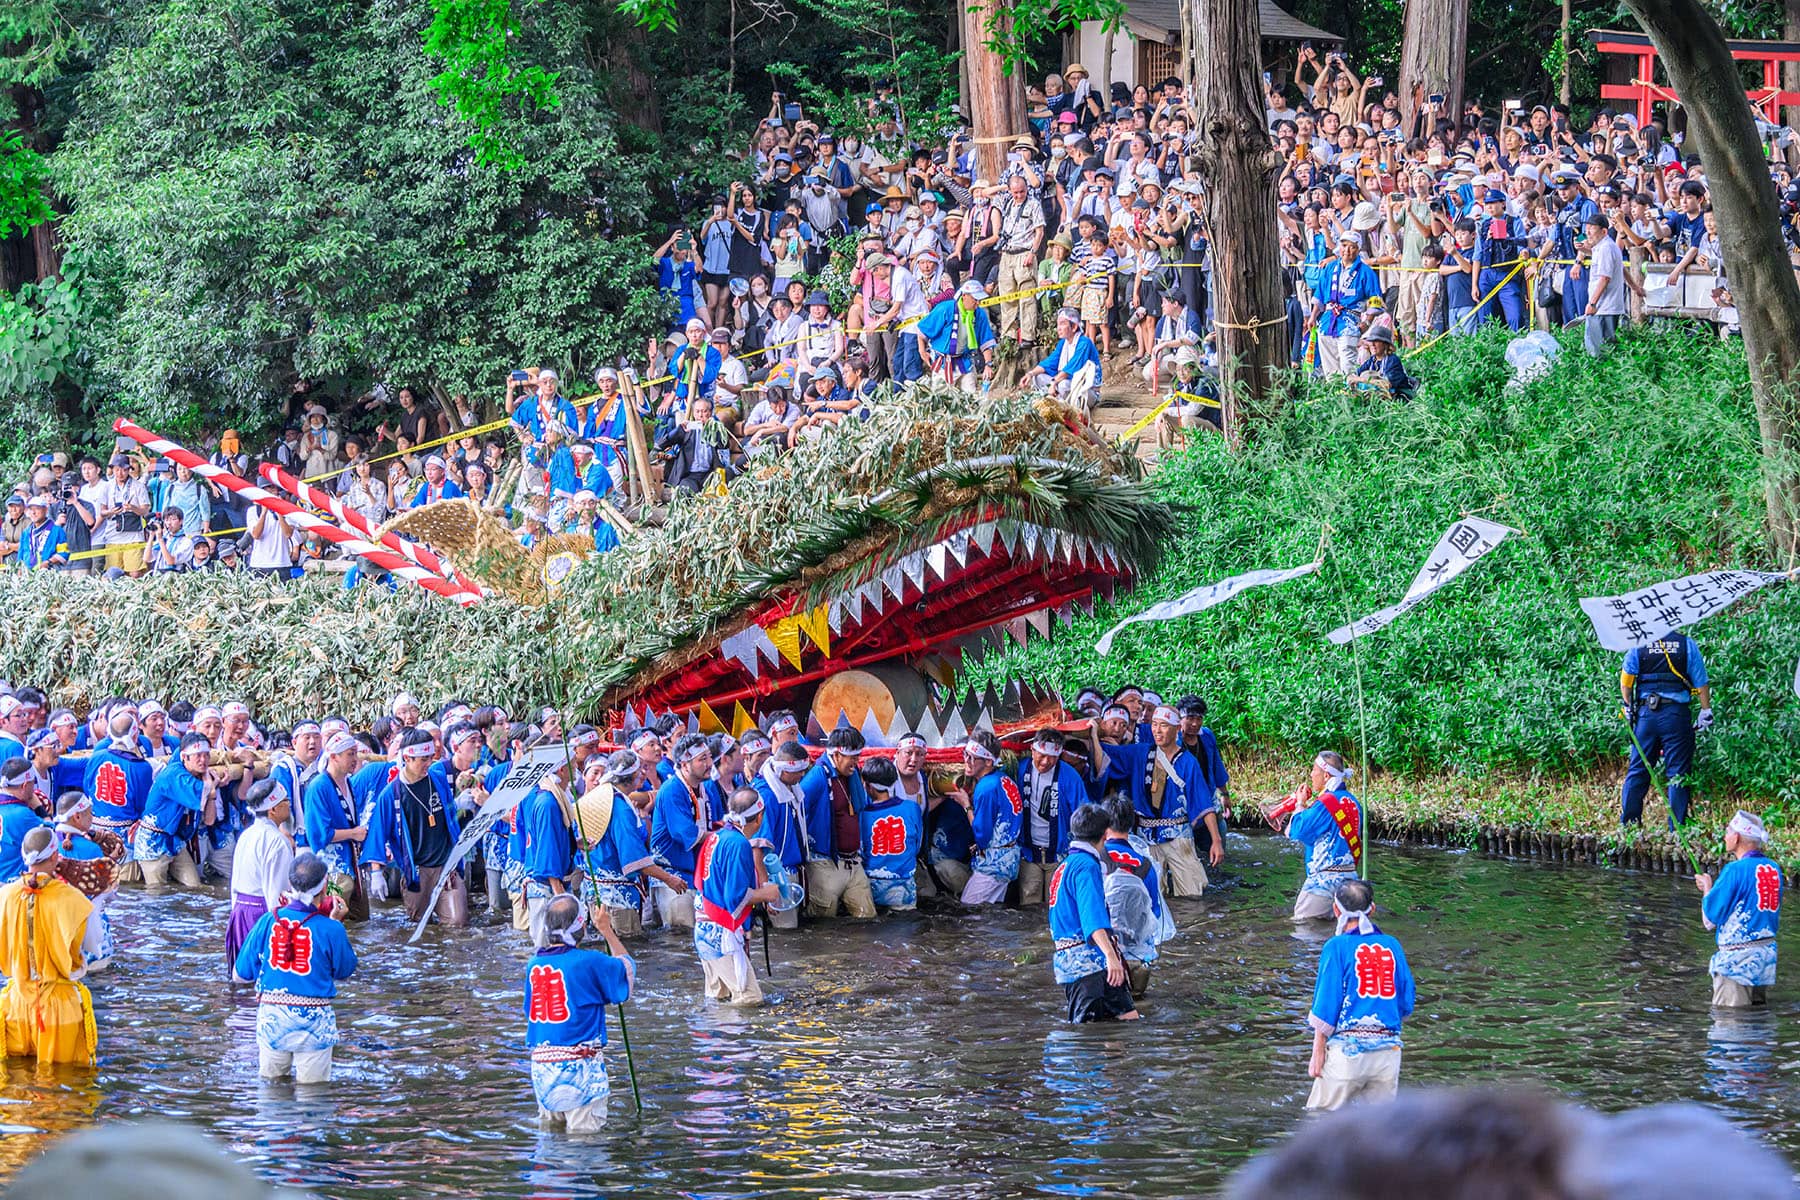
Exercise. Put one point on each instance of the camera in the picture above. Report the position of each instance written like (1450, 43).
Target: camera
(153, 523)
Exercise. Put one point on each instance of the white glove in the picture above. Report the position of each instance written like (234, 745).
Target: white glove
(1704, 720)
(375, 882)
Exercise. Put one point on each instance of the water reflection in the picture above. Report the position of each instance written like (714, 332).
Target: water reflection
(926, 1056)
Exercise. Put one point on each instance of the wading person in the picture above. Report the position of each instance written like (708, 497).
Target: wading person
(1050, 788)
(1743, 908)
(260, 867)
(118, 780)
(777, 780)
(567, 990)
(1363, 995)
(413, 826)
(1168, 787)
(1086, 961)
(995, 809)
(183, 800)
(332, 830)
(296, 956)
(47, 1012)
(834, 796)
(729, 882)
(1327, 822)
(614, 849)
(678, 823)
(1142, 923)
(19, 815)
(546, 846)
(893, 832)
(1660, 683)
(89, 859)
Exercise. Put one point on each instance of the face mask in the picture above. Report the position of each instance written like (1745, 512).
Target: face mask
(1059, 151)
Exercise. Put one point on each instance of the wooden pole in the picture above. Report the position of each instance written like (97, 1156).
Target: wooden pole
(640, 451)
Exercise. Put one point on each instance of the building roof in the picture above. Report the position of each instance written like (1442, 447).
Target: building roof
(1160, 21)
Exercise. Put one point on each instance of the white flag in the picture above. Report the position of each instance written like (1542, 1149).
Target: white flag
(1202, 598)
(1797, 679)
(1640, 617)
(1464, 542)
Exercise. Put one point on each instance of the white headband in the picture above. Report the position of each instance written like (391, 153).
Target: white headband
(648, 735)
(471, 733)
(148, 709)
(738, 820)
(209, 713)
(1115, 710)
(277, 795)
(572, 935)
(1361, 919)
(911, 741)
(306, 727)
(341, 743)
(422, 750)
(309, 897)
(693, 752)
(975, 749)
(782, 723)
(47, 853)
(1047, 746)
(1166, 715)
(83, 805)
(236, 708)
(1748, 825)
(590, 738)
(1336, 774)
(403, 700)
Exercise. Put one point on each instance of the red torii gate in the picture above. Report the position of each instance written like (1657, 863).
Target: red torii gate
(1643, 90)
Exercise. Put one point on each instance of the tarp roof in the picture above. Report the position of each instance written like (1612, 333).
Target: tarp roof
(1160, 21)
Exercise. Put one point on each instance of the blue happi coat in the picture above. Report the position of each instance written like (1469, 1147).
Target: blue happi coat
(1077, 898)
(724, 877)
(1071, 789)
(296, 952)
(545, 844)
(1364, 992)
(567, 990)
(1744, 908)
(617, 857)
(892, 832)
(388, 841)
(1329, 860)
(996, 810)
(323, 815)
(675, 829)
(1185, 793)
(783, 826)
(100, 783)
(815, 792)
(171, 812)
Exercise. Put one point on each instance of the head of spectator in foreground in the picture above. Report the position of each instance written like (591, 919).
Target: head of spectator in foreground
(1489, 1143)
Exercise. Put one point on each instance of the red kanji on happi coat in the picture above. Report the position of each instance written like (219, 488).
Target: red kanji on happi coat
(1055, 886)
(1768, 887)
(1011, 791)
(887, 836)
(290, 946)
(110, 785)
(1375, 972)
(549, 995)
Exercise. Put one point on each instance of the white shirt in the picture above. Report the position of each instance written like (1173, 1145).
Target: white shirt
(903, 287)
(1040, 825)
(260, 863)
(271, 547)
(1607, 262)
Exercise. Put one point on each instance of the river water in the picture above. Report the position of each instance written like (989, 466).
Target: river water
(926, 1055)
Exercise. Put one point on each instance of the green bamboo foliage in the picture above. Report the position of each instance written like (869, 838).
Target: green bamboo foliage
(819, 518)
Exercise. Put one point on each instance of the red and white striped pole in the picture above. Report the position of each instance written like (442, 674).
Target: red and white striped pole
(381, 557)
(353, 520)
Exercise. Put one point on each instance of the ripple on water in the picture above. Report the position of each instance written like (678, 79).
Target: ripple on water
(924, 1056)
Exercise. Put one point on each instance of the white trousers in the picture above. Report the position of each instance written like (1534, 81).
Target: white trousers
(308, 1066)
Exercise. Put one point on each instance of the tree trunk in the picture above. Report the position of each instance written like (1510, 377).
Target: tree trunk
(1790, 71)
(996, 99)
(633, 88)
(1568, 56)
(1433, 50)
(1693, 51)
(1240, 166)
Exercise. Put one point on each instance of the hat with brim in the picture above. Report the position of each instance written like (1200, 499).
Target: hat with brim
(818, 296)
(1494, 196)
(973, 287)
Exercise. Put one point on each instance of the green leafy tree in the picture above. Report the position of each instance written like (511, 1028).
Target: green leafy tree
(270, 191)
(481, 75)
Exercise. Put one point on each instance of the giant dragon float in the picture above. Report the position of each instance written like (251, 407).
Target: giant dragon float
(845, 581)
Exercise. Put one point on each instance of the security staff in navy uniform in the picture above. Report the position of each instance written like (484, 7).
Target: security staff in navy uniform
(1661, 682)
(1499, 241)
(1573, 208)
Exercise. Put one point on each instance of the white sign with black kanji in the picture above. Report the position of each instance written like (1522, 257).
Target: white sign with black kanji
(1639, 618)
(1462, 545)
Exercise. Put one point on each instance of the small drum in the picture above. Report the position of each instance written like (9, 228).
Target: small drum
(93, 876)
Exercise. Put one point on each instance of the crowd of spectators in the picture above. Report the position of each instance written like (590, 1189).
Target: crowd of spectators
(858, 258)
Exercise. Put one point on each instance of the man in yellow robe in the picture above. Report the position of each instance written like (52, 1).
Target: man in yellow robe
(47, 1013)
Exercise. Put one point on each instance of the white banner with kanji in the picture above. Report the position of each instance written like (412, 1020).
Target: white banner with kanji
(1202, 598)
(1640, 617)
(1462, 545)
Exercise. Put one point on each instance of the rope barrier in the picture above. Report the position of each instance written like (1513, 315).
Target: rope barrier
(104, 550)
(461, 433)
